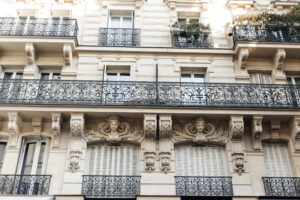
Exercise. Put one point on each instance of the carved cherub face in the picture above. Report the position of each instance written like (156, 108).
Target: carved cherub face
(200, 124)
(113, 124)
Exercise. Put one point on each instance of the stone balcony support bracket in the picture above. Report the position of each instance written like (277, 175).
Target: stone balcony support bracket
(243, 58)
(295, 130)
(56, 127)
(150, 127)
(30, 53)
(165, 144)
(236, 126)
(256, 132)
(37, 124)
(67, 49)
(14, 127)
(279, 59)
(77, 124)
(275, 129)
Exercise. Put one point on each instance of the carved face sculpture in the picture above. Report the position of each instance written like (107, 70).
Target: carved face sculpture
(200, 125)
(150, 162)
(114, 135)
(113, 124)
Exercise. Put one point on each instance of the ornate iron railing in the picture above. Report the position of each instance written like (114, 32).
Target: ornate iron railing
(282, 186)
(24, 184)
(38, 27)
(119, 37)
(179, 39)
(203, 186)
(266, 33)
(85, 92)
(110, 186)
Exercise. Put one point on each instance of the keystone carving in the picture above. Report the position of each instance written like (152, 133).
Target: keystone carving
(295, 126)
(67, 54)
(113, 130)
(165, 161)
(279, 58)
(150, 158)
(56, 123)
(199, 131)
(77, 124)
(275, 129)
(238, 162)
(30, 53)
(150, 126)
(236, 127)
(256, 131)
(74, 160)
(37, 124)
(14, 123)
(243, 58)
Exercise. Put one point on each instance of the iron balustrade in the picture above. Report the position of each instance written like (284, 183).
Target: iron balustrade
(119, 37)
(127, 93)
(204, 186)
(181, 40)
(24, 184)
(282, 186)
(266, 33)
(38, 27)
(110, 186)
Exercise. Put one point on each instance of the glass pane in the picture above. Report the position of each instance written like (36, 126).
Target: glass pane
(254, 78)
(19, 75)
(115, 22)
(45, 76)
(297, 80)
(112, 76)
(56, 76)
(266, 78)
(41, 158)
(193, 20)
(199, 78)
(186, 78)
(8, 75)
(28, 158)
(182, 20)
(289, 80)
(127, 22)
(125, 77)
(2, 149)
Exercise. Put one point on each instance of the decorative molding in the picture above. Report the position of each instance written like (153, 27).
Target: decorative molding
(238, 162)
(77, 124)
(37, 124)
(67, 49)
(139, 3)
(279, 58)
(199, 131)
(165, 161)
(14, 123)
(150, 126)
(165, 126)
(236, 126)
(172, 4)
(74, 160)
(30, 53)
(56, 123)
(243, 58)
(275, 129)
(113, 129)
(150, 158)
(246, 4)
(295, 130)
(256, 131)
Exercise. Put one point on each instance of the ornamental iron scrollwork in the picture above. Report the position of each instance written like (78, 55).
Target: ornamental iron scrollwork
(24, 184)
(199, 131)
(119, 37)
(282, 186)
(203, 186)
(181, 40)
(114, 129)
(111, 186)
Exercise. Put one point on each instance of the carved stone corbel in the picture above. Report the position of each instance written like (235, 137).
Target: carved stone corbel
(165, 161)
(37, 124)
(30, 53)
(236, 126)
(56, 127)
(14, 123)
(275, 129)
(295, 130)
(279, 59)
(150, 126)
(238, 162)
(77, 124)
(165, 128)
(243, 58)
(67, 54)
(75, 160)
(256, 131)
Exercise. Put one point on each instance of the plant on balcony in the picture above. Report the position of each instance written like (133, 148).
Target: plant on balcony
(192, 31)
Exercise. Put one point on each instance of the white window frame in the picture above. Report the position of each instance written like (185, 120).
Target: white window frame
(117, 71)
(36, 155)
(260, 77)
(292, 79)
(4, 153)
(12, 70)
(121, 18)
(192, 73)
(51, 72)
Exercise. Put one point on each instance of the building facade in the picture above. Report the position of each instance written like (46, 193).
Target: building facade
(106, 99)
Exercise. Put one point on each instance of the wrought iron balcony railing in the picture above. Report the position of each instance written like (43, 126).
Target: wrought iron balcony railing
(204, 186)
(282, 186)
(179, 39)
(110, 186)
(38, 27)
(119, 37)
(24, 184)
(266, 33)
(84, 92)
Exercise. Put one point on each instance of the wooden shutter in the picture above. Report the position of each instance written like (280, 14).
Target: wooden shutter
(113, 160)
(276, 158)
(200, 161)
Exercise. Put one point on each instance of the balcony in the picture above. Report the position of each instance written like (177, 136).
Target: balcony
(38, 27)
(204, 186)
(126, 93)
(282, 186)
(119, 37)
(266, 33)
(24, 184)
(179, 39)
(110, 186)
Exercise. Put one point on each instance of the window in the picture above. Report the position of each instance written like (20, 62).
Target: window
(192, 77)
(262, 78)
(118, 73)
(293, 80)
(121, 19)
(188, 17)
(50, 76)
(2, 151)
(16, 74)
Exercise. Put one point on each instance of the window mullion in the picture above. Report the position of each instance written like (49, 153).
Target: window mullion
(46, 154)
(36, 158)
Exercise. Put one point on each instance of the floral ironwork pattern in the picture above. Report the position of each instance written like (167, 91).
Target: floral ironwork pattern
(85, 92)
(119, 37)
(265, 33)
(180, 40)
(282, 186)
(203, 186)
(24, 184)
(111, 186)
